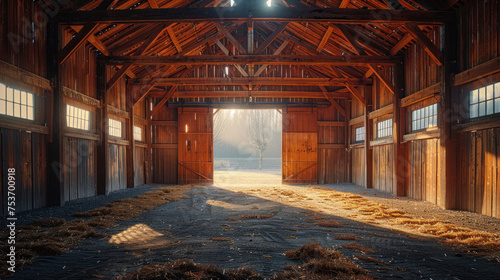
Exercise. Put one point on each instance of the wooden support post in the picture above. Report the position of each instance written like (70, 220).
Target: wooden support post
(102, 127)
(348, 162)
(55, 160)
(447, 114)
(130, 138)
(401, 160)
(148, 153)
(368, 135)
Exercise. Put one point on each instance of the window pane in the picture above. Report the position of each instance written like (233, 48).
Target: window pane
(30, 113)
(497, 105)
(23, 112)
(489, 92)
(474, 96)
(2, 107)
(17, 110)
(489, 107)
(23, 97)
(30, 99)
(17, 96)
(10, 94)
(497, 90)
(2, 91)
(482, 109)
(482, 94)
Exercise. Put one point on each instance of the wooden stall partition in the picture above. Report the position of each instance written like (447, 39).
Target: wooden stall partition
(358, 165)
(424, 169)
(164, 147)
(80, 176)
(479, 179)
(300, 146)
(332, 164)
(383, 168)
(195, 146)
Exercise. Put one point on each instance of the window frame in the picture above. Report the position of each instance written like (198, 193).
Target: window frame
(424, 118)
(135, 133)
(17, 101)
(112, 128)
(479, 102)
(388, 128)
(356, 134)
(88, 120)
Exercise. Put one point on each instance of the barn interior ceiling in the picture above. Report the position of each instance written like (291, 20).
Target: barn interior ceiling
(269, 49)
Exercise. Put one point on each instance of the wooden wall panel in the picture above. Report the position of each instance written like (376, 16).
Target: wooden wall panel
(139, 166)
(300, 146)
(383, 168)
(78, 72)
(479, 176)
(79, 174)
(26, 152)
(165, 157)
(424, 170)
(358, 166)
(195, 146)
(420, 70)
(479, 28)
(332, 167)
(117, 177)
(331, 161)
(20, 45)
(117, 94)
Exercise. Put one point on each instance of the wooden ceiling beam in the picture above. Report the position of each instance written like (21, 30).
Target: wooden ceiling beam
(153, 4)
(276, 52)
(430, 48)
(230, 37)
(257, 81)
(361, 60)
(141, 50)
(383, 79)
(82, 36)
(265, 94)
(271, 37)
(332, 101)
(355, 93)
(325, 38)
(226, 51)
(344, 4)
(174, 39)
(280, 14)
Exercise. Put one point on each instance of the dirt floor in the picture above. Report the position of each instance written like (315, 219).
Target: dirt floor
(250, 219)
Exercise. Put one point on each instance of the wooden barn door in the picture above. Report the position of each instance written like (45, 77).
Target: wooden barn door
(300, 146)
(195, 146)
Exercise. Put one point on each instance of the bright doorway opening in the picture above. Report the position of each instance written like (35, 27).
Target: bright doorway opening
(247, 147)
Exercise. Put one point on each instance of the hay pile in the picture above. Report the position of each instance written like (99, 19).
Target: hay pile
(125, 209)
(45, 237)
(320, 263)
(188, 270)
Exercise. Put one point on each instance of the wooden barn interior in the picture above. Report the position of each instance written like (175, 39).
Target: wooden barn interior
(398, 95)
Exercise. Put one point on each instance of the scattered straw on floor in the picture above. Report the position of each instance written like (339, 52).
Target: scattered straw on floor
(221, 239)
(320, 263)
(256, 216)
(329, 224)
(188, 270)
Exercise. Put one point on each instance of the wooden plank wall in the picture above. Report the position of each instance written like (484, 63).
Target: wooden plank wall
(358, 166)
(424, 170)
(383, 155)
(25, 48)
(479, 181)
(26, 152)
(79, 170)
(196, 158)
(300, 146)
(117, 176)
(331, 161)
(164, 143)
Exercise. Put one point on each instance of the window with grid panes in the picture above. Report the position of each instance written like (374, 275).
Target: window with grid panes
(16, 103)
(137, 133)
(484, 101)
(77, 118)
(384, 128)
(115, 128)
(424, 118)
(360, 134)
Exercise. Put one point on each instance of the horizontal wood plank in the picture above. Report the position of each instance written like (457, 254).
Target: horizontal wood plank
(23, 76)
(478, 72)
(422, 95)
(380, 112)
(422, 135)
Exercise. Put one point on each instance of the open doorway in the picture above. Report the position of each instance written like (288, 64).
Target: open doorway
(247, 146)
